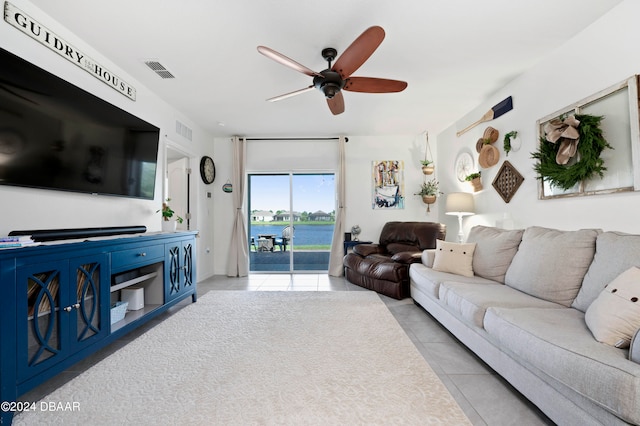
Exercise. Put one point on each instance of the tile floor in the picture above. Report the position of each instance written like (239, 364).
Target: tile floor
(483, 395)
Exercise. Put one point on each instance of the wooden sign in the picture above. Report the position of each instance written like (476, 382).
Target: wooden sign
(29, 26)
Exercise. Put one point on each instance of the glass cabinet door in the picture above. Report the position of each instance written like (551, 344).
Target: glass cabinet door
(59, 310)
(40, 325)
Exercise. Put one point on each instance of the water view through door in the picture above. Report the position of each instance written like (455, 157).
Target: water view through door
(291, 221)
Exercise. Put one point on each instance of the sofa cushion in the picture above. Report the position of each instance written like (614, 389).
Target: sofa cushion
(614, 317)
(429, 280)
(454, 258)
(470, 301)
(494, 252)
(428, 256)
(558, 343)
(615, 253)
(634, 348)
(550, 264)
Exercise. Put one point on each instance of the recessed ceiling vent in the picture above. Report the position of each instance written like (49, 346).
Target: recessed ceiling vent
(159, 69)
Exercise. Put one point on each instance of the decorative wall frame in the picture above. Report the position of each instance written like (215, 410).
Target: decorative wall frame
(388, 184)
(507, 181)
(618, 105)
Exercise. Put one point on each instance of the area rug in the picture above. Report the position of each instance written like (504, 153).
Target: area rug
(261, 358)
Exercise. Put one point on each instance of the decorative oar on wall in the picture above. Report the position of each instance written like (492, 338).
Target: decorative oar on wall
(492, 114)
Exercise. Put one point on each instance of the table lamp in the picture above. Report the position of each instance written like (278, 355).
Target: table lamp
(460, 204)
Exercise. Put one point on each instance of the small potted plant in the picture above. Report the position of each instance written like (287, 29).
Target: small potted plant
(167, 214)
(429, 192)
(474, 179)
(427, 166)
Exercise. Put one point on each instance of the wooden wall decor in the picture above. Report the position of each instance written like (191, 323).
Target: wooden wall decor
(507, 181)
(618, 105)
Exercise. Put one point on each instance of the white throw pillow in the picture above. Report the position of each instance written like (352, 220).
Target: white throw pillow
(454, 258)
(614, 317)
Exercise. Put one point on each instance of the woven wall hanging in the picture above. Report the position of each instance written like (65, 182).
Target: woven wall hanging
(507, 181)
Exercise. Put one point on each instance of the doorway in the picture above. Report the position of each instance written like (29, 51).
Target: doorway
(177, 185)
(291, 221)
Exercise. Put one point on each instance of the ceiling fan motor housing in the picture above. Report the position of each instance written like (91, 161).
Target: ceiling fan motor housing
(330, 83)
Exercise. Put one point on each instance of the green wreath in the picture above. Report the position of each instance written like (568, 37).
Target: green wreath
(591, 145)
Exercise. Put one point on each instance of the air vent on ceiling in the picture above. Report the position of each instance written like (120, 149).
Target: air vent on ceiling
(159, 69)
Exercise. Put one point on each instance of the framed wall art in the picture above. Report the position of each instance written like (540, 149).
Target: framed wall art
(388, 184)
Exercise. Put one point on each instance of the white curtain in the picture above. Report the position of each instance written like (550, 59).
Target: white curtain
(238, 262)
(337, 247)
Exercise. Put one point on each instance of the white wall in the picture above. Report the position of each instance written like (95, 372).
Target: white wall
(25, 208)
(600, 56)
(360, 152)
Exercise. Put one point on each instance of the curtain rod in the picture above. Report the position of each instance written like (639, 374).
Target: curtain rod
(296, 139)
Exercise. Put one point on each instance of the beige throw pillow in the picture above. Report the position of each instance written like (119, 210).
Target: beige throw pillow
(454, 258)
(614, 317)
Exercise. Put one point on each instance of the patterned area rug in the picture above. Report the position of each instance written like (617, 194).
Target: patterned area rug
(241, 358)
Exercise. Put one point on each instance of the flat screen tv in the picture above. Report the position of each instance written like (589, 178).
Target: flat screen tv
(54, 135)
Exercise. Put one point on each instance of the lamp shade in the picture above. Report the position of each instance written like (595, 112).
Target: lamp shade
(460, 203)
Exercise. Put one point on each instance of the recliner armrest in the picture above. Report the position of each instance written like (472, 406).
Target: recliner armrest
(407, 257)
(365, 250)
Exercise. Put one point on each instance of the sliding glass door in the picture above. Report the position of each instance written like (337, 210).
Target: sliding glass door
(291, 221)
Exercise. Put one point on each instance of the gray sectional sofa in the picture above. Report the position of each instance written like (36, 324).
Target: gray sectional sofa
(518, 298)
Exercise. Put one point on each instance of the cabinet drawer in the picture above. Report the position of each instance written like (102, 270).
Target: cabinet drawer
(135, 257)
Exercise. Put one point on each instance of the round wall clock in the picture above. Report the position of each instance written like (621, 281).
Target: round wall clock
(207, 170)
(464, 165)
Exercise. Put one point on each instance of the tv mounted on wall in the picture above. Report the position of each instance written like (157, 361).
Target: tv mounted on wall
(54, 135)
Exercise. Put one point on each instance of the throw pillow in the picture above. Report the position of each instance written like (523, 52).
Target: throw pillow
(550, 264)
(495, 249)
(454, 258)
(615, 253)
(614, 317)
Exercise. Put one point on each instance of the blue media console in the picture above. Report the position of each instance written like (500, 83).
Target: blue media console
(56, 300)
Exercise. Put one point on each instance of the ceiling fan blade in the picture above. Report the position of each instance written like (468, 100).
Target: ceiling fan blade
(359, 51)
(288, 62)
(336, 104)
(290, 94)
(374, 85)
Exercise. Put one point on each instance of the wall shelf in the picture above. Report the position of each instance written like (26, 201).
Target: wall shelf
(133, 281)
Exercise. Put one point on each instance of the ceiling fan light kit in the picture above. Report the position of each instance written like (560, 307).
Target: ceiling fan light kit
(334, 79)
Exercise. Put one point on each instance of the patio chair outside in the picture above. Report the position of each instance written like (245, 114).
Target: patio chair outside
(287, 235)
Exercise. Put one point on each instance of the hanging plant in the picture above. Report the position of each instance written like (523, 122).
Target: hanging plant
(590, 146)
(429, 191)
(427, 165)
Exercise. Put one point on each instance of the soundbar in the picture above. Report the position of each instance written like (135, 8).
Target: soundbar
(68, 234)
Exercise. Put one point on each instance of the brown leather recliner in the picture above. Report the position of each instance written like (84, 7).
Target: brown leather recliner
(384, 267)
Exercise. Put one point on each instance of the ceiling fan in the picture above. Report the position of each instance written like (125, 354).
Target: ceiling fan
(337, 77)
